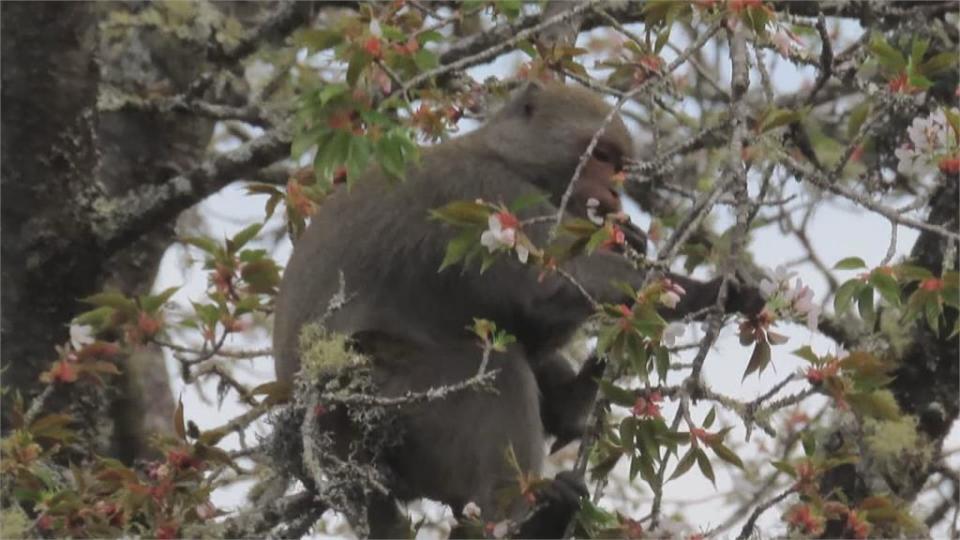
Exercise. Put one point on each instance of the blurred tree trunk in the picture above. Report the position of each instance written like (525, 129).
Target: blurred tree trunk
(59, 155)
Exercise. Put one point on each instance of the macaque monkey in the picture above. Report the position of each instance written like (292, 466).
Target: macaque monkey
(379, 236)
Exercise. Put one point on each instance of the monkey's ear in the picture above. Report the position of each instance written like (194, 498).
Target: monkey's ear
(527, 97)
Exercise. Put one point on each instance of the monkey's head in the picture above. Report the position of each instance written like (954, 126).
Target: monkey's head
(543, 130)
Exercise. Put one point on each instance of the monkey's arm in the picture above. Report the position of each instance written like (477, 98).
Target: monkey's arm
(565, 395)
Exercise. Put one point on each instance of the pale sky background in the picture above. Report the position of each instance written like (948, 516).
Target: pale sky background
(839, 230)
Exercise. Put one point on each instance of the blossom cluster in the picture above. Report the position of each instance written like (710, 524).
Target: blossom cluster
(501, 234)
(790, 300)
(929, 148)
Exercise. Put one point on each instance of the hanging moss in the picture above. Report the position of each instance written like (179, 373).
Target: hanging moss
(324, 353)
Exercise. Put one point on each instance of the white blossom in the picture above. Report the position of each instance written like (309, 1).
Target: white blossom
(930, 133)
(471, 510)
(929, 137)
(673, 332)
(81, 335)
(670, 299)
(497, 236)
(592, 215)
(375, 29)
(776, 280)
(522, 253)
(671, 294)
(501, 529)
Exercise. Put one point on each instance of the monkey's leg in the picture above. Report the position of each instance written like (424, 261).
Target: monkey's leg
(385, 518)
(454, 448)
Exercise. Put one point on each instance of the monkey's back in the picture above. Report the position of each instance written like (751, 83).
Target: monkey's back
(378, 234)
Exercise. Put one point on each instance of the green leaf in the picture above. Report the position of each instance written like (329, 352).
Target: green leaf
(358, 157)
(711, 416)
(704, 463)
(458, 248)
(938, 63)
(865, 304)
(331, 91)
(526, 201)
(241, 238)
(780, 117)
(597, 238)
(51, 426)
(759, 359)
(111, 299)
(845, 294)
(878, 404)
(806, 352)
(809, 443)
(333, 152)
(662, 363)
(628, 432)
(205, 244)
(726, 454)
(152, 303)
(462, 213)
(917, 49)
(953, 118)
(784, 467)
(318, 40)
(425, 60)
(684, 465)
(850, 263)
(98, 318)
(428, 36)
(617, 395)
(857, 117)
(932, 310)
(909, 272)
(262, 276)
(648, 440)
(887, 287)
(275, 392)
(888, 57)
(178, 424)
(358, 62)
(389, 154)
(919, 81)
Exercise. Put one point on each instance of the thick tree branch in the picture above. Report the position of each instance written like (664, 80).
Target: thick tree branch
(123, 219)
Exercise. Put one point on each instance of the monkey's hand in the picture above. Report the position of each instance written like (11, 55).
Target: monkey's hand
(558, 502)
(744, 298)
(634, 236)
(699, 295)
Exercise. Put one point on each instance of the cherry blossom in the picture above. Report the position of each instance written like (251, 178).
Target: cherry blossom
(471, 510)
(929, 137)
(502, 234)
(81, 335)
(592, 215)
(786, 299)
(648, 406)
(801, 301)
(775, 281)
(671, 294)
(673, 332)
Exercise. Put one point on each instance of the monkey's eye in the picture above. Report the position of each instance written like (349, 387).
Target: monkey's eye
(606, 156)
(602, 155)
